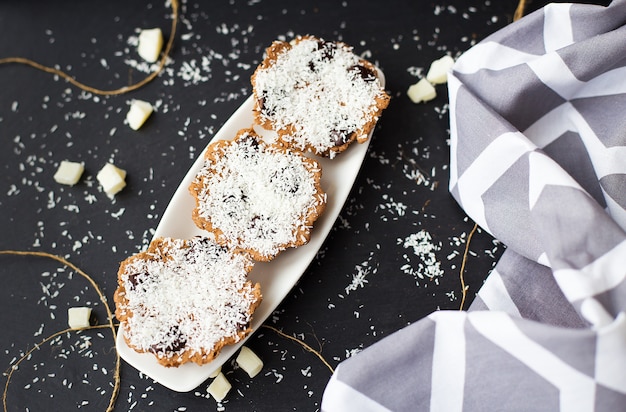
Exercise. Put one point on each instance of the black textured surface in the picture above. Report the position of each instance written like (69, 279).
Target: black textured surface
(366, 282)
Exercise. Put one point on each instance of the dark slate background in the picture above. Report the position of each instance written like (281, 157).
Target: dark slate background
(365, 283)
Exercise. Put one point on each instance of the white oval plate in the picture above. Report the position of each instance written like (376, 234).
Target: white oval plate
(277, 277)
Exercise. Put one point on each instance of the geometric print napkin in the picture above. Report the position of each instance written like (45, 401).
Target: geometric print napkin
(538, 160)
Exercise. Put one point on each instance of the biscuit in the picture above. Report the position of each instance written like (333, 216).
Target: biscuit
(258, 197)
(183, 300)
(317, 95)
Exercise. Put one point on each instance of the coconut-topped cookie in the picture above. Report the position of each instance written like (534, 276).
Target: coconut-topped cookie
(183, 300)
(317, 95)
(257, 197)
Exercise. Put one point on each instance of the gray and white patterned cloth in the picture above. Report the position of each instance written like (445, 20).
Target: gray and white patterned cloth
(538, 159)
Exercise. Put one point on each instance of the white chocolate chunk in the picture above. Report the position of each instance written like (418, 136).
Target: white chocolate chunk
(112, 179)
(249, 361)
(421, 91)
(138, 113)
(69, 173)
(219, 387)
(150, 44)
(78, 318)
(215, 372)
(438, 72)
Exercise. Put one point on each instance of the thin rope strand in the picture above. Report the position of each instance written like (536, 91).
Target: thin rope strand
(462, 274)
(121, 90)
(303, 344)
(519, 11)
(110, 325)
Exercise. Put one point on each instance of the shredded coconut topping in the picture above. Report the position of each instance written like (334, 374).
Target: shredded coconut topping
(319, 91)
(189, 295)
(259, 196)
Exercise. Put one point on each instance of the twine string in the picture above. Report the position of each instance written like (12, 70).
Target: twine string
(52, 70)
(110, 325)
